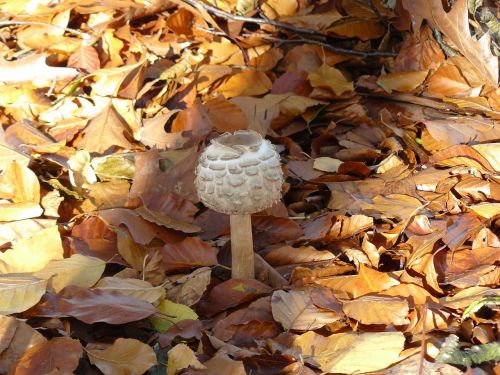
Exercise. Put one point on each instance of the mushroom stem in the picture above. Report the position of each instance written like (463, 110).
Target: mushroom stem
(242, 254)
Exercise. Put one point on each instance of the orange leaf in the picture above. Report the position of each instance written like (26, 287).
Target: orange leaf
(246, 83)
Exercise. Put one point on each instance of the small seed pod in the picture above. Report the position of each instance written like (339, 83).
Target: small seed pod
(239, 174)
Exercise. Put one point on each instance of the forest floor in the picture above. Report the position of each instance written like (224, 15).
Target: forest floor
(381, 256)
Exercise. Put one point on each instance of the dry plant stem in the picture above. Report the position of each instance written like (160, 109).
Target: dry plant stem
(242, 255)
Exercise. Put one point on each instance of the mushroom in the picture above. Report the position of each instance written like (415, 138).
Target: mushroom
(240, 174)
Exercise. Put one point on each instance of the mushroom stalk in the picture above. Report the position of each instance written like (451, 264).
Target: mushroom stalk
(242, 263)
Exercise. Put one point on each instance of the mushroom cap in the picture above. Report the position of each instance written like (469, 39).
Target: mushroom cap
(239, 174)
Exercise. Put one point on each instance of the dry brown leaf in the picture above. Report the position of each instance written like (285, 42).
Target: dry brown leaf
(220, 110)
(188, 289)
(283, 255)
(377, 310)
(328, 77)
(447, 81)
(356, 28)
(91, 306)
(106, 130)
(136, 288)
(17, 338)
(365, 282)
(455, 26)
(402, 81)
(181, 357)
(295, 310)
(247, 82)
(123, 357)
(190, 253)
(85, 58)
(59, 356)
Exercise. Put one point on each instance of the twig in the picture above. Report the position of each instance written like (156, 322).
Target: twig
(333, 48)
(260, 21)
(38, 23)
(308, 41)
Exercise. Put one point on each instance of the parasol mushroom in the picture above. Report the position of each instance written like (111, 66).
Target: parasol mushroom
(240, 174)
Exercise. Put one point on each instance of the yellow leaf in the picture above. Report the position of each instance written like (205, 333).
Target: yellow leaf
(327, 164)
(279, 8)
(19, 184)
(490, 152)
(19, 293)
(401, 81)
(33, 253)
(174, 313)
(486, 209)
(136, 288)
(124, 357)
(19, 211)
(351, 353)
(329, 77)
(79, 270)
(181, 357)
(247, 82)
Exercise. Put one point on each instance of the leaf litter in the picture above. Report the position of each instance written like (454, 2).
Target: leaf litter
(382, 255)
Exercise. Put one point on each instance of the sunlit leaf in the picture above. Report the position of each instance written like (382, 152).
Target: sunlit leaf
(351, 353)
(19, 293)
(123, 357)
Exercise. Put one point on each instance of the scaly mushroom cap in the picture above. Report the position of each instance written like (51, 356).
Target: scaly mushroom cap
(239, 174)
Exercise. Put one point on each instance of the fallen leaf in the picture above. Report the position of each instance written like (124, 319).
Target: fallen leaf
(85, 58)
(135, 288)
(401, 81)
(350, 353)
(329, 77)
(234, 292)
(91, 306)
(188, 289)
(17, 338)
(106, 130)
(247, 82)
(190, 253)
(454, 25)
(33, 253)
(79, 270)
(295, 310)
(59, 355)
(123, 357)
(366, 281)
(34, 69)
(172, 313)
(181, 357)
(377, 310)
(19, 293)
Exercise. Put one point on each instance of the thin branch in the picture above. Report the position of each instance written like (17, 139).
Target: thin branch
(260, 21)
(38, 23)
(333, 48)
(325, 45)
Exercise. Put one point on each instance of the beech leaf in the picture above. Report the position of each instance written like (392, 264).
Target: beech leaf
(123, 357)
(351, 353)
